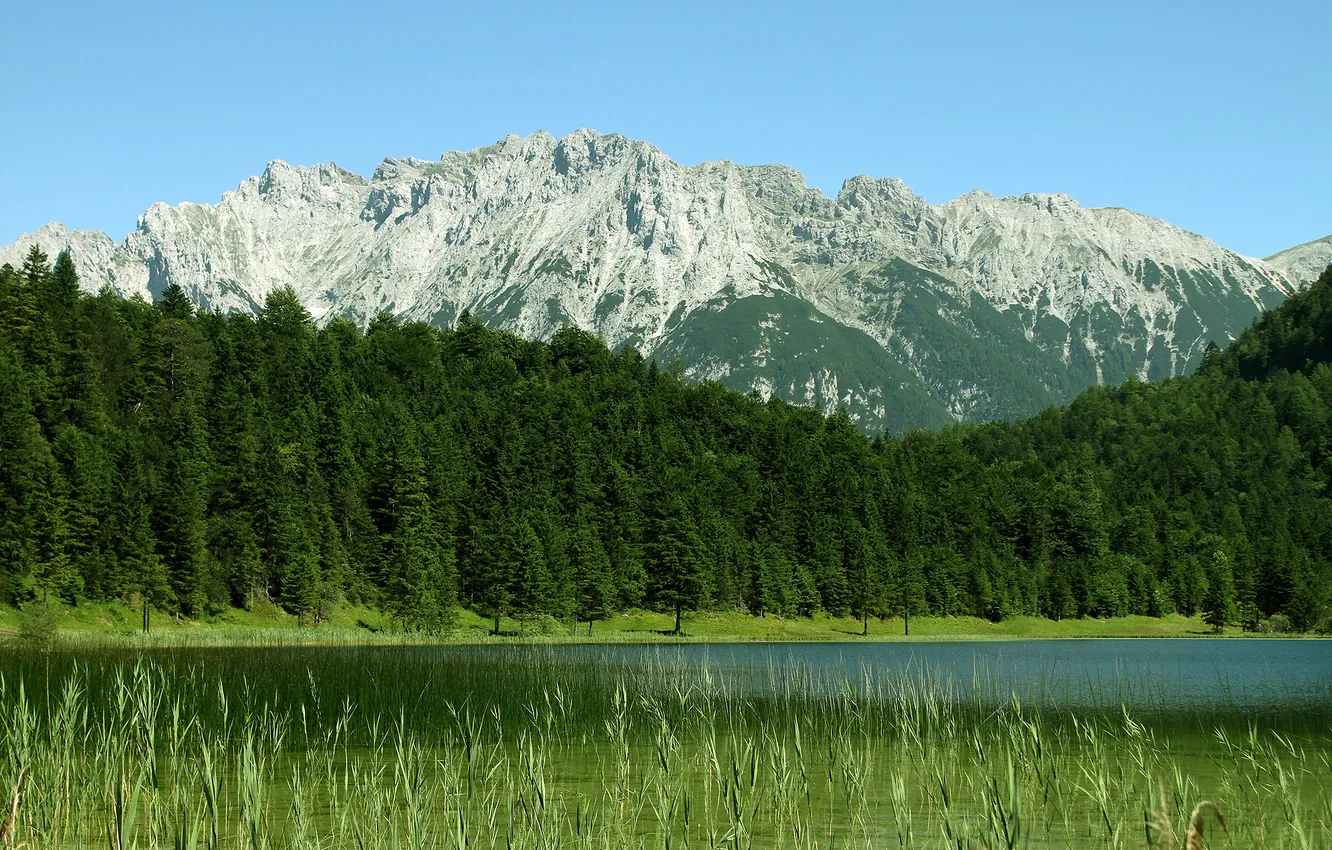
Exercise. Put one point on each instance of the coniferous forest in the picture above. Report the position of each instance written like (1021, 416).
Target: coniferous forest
(188, 461)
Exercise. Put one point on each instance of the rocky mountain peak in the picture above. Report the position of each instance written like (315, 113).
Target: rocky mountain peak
(1054, 204)
(904, 312)
(1305, 262)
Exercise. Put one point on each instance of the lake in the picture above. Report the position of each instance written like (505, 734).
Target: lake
(798, 745)
(1159, 673)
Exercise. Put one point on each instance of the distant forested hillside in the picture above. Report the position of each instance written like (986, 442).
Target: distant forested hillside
(192, 461)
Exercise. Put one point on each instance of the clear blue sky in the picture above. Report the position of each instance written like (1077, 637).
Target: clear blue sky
(1215, 116)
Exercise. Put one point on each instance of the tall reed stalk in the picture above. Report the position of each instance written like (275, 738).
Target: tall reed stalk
(529, 750)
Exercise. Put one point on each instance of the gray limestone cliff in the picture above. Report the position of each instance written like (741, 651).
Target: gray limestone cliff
(905, 313)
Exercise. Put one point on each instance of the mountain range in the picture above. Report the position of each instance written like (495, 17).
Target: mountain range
(905, 313)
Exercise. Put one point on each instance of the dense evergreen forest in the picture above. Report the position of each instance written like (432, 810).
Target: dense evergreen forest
(190, 461)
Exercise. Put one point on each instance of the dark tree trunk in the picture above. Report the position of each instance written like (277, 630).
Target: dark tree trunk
(678, 608)
(864, 632)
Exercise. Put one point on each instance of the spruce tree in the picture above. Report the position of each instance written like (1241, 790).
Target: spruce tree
(532, 585)
(910, 595)
(22, 448)
(867, 570)
(175, 304)
(180, 511)
(492, 572)
(55, 573)
(139, 571)
(23, 317)
(774, 571)
(296, 562)
(593, 577)
(677, 573)
(1219, 601)
(9, 292)
(63, 285)
(419, 590)
(36, 269)
(86, 469)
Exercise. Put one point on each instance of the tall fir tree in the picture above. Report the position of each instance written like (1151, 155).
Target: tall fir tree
(593, 576)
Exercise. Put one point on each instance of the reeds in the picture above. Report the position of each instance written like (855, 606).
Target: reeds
(523, 748)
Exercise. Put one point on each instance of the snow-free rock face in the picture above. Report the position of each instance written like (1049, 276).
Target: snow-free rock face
(96, 256)
(908, 314)
(1304, 263)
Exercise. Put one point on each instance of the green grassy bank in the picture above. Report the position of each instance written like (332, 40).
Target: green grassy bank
(115, 623)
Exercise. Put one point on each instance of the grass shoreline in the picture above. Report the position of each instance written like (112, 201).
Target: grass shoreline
(101, 624)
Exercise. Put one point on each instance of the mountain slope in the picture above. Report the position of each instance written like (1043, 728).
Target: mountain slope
(978, 308)
(1304, 263)
(1297, 337)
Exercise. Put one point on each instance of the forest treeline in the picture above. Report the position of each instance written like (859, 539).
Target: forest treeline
(188, 461)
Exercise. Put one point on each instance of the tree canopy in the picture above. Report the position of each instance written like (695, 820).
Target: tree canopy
(189, 461)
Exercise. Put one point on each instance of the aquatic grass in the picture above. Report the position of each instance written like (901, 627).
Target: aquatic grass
(526, 748)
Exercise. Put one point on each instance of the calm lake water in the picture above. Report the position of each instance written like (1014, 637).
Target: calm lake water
(1159, 673)
(542, 736)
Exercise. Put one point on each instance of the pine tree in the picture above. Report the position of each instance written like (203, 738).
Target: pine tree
(296, 562)
(22, 448)
(593, 577)
(54, 571)
(9, 293)
(23, 319)
(624, 541)
(175, 304)
(678, 576)
(910, 596)
(1219, 602)
(87, 470)
(180, 511)
(531, 574)
(63, 284)
(492, 571)
(805, 589)
(241, 472)
(335, 572)
(139, 571)
(771, 578)
(419, 589)
(868, 568)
